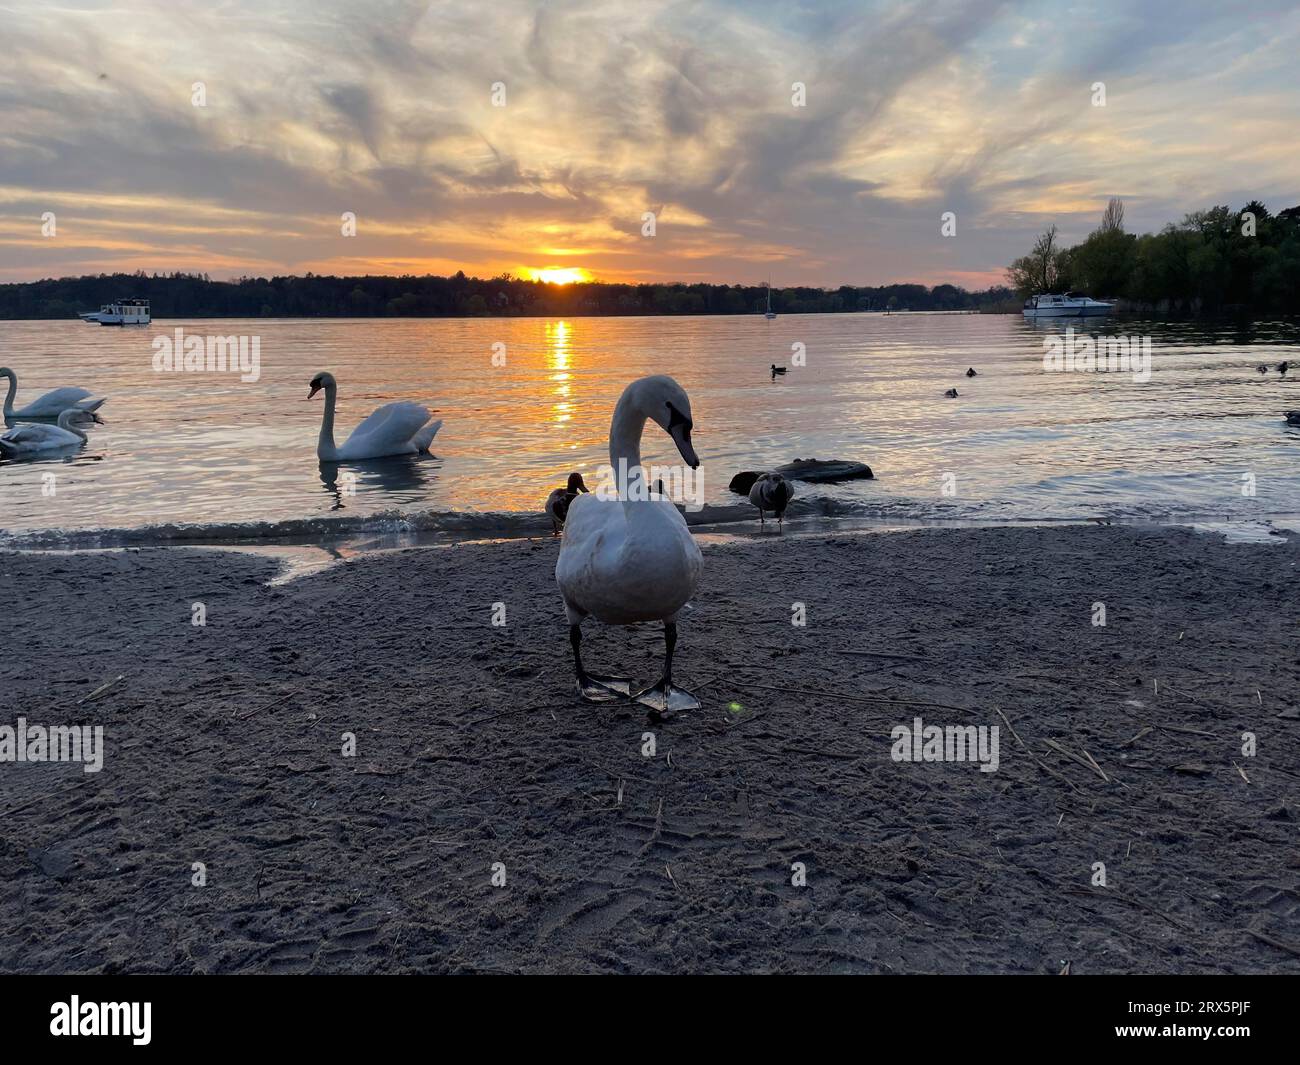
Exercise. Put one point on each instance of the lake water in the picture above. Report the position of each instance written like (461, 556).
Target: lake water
(1019, 443)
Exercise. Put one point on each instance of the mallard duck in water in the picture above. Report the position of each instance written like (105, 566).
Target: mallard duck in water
(951, 393)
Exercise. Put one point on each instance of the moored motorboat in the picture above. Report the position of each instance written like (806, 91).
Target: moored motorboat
(1065, 305)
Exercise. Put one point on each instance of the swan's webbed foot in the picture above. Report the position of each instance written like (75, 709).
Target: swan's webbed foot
(666, 699)
(595, 688)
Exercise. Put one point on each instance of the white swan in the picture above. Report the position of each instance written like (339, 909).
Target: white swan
(393, 429)
(38, 437)
(629, 557)
(50, 405)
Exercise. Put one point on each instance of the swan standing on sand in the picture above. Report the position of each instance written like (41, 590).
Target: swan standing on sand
(393, 429)
(37, 438)
(631, 558)
(50, 405)
(557, 503)
(771, 492)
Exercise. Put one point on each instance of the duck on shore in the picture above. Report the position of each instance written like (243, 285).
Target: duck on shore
(771, 492)
(557, 503)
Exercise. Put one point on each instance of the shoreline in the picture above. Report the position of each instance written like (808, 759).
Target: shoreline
(222, 746)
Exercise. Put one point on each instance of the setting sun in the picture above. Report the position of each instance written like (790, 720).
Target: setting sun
(558, 275)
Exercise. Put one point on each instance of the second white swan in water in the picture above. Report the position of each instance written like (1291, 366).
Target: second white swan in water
(38, 438)
(393, 429)
(630, 558)
(50, 405)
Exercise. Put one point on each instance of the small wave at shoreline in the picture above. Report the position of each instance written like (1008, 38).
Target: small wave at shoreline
(395, 526)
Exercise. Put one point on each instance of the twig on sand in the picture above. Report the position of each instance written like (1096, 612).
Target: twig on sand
(1010, 726)
(875, 654)
(1241, 771)
(1075, 889)
(659, 824)
(1143, 732)
(1088, 765)
(670, 875)
(266, 706)
(851, 698)
(1263, 938)
(1190, 731)
(101, 689)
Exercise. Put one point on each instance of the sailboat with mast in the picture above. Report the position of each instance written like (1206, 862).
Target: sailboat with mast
(769, 314)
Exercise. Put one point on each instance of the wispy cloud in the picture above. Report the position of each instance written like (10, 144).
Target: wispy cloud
(617, 107)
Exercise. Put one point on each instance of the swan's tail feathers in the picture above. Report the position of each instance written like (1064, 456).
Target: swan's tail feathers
(425, 436)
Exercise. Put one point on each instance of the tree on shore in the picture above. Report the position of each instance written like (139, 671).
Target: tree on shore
(1043, 270)
(1211, 260)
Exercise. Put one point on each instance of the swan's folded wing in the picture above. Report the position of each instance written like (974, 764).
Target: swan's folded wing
(63, 398)
(27, 434)
(393, 423)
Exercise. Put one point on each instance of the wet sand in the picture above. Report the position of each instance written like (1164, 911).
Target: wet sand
(223, 747)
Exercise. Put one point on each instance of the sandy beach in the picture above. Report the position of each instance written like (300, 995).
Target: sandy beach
(1119, 744)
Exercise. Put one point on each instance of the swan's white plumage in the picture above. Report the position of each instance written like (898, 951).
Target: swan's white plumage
(38, 437)
(629, 560)
(394, 429)
(50, 405)
(625, 561)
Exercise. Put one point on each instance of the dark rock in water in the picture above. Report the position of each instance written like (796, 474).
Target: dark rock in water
(1293, 417)
(815, 471)
(743, 482)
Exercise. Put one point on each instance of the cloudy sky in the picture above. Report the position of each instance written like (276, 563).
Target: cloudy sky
(617, 107)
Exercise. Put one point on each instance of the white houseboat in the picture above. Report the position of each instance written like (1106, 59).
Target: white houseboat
(122, 312)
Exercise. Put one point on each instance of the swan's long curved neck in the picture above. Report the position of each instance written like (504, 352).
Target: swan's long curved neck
(65, 422)
(625, 445)
(9, 396)
(325, 447)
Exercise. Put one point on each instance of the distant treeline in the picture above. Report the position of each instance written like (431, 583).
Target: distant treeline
(198, 296)
(1212, 261)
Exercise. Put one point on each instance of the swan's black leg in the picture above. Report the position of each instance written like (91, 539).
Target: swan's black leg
(591, 686)
(664, 699)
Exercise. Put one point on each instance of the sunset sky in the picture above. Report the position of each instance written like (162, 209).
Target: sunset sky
(618, 107)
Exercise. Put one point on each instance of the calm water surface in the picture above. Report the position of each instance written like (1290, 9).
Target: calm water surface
(1023, 444)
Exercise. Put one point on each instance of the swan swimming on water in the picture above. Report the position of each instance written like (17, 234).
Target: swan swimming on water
(630, 558)
(393, 429)
(38, 438)
(50, 405)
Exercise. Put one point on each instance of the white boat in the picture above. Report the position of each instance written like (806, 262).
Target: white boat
(769, 313)
(1065, 305)
(123, 312)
